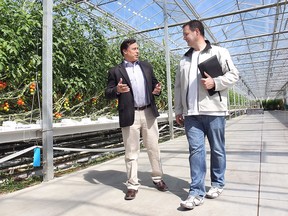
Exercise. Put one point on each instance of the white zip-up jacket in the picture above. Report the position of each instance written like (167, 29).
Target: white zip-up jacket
(206, 103)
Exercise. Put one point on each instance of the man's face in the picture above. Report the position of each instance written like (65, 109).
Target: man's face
(131, 54)
(189, 36)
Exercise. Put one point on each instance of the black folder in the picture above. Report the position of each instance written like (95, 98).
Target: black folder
(213, 68)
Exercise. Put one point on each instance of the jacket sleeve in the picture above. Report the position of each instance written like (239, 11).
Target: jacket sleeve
(111, 89)
(231, 74)
(177, 93)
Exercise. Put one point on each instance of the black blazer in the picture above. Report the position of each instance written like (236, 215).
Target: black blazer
(126, 100)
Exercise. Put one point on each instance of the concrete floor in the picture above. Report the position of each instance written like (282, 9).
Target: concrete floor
(256, 180)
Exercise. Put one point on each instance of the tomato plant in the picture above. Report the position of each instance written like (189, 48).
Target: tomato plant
(82, 55)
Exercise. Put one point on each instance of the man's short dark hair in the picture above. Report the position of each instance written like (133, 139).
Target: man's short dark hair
(193, 24)
(126, 43)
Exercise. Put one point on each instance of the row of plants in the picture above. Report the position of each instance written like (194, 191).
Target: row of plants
(276, 104)
(82, 55)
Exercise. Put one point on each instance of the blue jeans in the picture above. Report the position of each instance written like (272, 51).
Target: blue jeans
(197, 128)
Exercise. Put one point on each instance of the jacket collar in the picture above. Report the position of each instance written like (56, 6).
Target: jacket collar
(190, 51)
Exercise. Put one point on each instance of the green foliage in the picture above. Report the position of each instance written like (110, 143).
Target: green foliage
(82, 56)
(276, 104)
(20, 30)
(11, 184)
(233, 99)
(79, 53)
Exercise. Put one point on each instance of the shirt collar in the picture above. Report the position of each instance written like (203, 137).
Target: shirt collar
(130, 64)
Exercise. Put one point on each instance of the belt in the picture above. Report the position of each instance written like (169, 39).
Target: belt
(142, 108)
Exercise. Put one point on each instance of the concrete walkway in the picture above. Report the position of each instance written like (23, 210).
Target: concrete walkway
(256, 180)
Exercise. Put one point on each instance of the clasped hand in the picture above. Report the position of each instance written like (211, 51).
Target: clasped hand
(207, 82)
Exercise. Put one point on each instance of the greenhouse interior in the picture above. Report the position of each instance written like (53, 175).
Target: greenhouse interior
(62, 149)
(54, 58)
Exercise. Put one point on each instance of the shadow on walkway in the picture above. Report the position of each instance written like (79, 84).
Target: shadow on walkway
(116, 179)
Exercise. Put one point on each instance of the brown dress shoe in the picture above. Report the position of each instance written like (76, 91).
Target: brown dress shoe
(161, 186)
(131, 194)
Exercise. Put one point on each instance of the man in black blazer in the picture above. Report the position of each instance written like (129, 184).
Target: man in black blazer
(134, 84)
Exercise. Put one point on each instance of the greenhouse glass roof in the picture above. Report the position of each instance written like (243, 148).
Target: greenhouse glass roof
(254, 31)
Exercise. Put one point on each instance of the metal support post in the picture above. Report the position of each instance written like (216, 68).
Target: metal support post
(168, 73)
(47, 104)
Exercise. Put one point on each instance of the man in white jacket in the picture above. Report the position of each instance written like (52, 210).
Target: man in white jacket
(203, 114)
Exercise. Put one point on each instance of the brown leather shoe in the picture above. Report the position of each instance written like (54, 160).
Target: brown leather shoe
(161, 186)
(131, 194)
